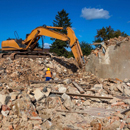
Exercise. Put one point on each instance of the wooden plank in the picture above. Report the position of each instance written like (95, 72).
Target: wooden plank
(53, 81)
(82, 95)
(72, 112)
(78, 87)
(123, 112)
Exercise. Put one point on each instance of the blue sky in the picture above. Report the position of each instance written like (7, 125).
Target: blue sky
(86, 16)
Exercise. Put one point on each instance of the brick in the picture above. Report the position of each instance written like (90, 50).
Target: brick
(118, 104)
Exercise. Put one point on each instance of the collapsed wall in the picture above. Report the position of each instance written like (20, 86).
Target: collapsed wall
(114, 63)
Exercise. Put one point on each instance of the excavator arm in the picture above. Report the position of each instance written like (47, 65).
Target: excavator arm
(74, 44)
(31, 41)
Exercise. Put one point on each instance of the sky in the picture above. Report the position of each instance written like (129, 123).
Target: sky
(87, 16)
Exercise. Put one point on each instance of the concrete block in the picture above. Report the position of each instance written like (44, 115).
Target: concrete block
(67, 81)
(69, 104)
(65, 96)
(62, 89)
(38, 94)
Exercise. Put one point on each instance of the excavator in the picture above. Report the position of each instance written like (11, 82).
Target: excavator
(15, 47)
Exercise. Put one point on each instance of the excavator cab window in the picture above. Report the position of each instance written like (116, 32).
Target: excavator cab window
(19, 40)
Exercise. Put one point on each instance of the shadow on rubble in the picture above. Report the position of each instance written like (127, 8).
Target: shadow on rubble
(66, 64)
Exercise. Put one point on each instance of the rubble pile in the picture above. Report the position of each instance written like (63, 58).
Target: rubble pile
(17, 70)
(72, 100)
(117, 41)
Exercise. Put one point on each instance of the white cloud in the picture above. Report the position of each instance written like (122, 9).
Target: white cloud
(80, 36)
(46, 45)
(128, 22)
(92, 13)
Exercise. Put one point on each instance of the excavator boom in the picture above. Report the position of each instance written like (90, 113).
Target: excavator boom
(30, 42)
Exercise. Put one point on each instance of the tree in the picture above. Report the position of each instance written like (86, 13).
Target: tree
(62, 20)
(86, 48)
(107, 33)
(58, 46)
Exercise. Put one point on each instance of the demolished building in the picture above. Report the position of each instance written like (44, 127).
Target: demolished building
(74, 99)
(114, 62)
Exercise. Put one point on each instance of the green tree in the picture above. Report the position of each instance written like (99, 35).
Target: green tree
(58, 46)
(86, 48)
(107, 33)
(62, 20)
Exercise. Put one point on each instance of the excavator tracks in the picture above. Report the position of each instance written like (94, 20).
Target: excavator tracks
(33, 55)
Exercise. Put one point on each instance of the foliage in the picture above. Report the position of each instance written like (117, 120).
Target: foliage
(58, 46)
(107, 33)
(62, 20)
(86, 48)
(70, 54)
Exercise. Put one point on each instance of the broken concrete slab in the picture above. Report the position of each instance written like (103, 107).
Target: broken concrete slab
(69, 104)
(48, 90)
(4, 99)
(65, 96)
(14, 95)
(67, 81)
(38, 94)
(62, 89)
(98, 86)
(5, 113)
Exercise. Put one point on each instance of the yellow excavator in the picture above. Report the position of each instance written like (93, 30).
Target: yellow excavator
(24, 47)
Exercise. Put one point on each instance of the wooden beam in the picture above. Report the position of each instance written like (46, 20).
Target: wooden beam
(78, 87)
(53, 81)
(82, 95)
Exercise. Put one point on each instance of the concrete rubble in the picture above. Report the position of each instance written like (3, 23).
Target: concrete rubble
(73, 100)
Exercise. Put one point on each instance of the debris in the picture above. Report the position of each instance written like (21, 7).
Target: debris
(69, 104)
(78, 87)
(87, 103)
(74, 99)
(2, 98)
(13, 95)
(54, 81)
(65, 96)
(48, 90)
(38, 94)
(62, 89)
(83, 95)
(5, 110)
(79, 112)
(108, 64)
(67, 81)
(98, 86)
